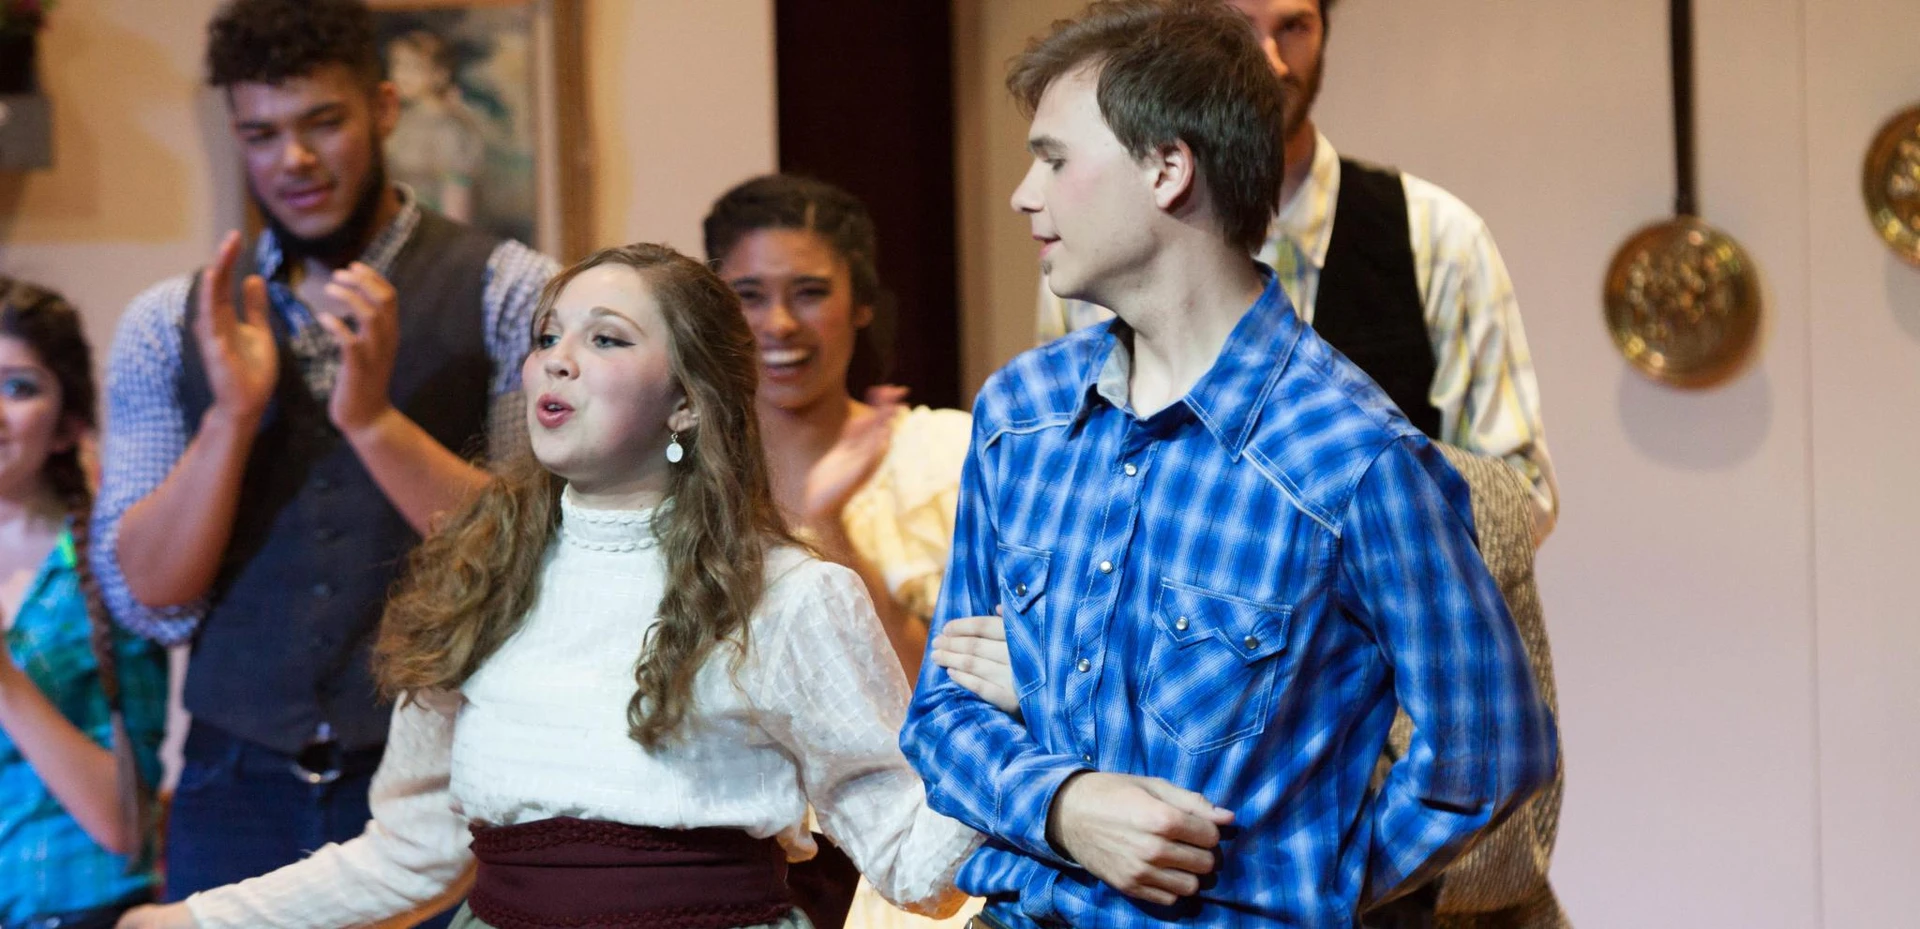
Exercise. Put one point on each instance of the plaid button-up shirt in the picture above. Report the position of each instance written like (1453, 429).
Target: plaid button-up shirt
(48, 862)
(1483, 381)
(1232, 594)
(147, 434)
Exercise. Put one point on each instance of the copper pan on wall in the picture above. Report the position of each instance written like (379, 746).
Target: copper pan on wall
(1891, 184)
(1682, 297)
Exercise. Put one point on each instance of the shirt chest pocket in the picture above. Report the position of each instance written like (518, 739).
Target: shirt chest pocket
(1213, 665)
(1023, 584)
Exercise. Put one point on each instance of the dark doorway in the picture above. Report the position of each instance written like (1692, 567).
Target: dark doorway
(866, 102)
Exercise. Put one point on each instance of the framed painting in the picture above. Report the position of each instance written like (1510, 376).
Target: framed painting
(492, 127)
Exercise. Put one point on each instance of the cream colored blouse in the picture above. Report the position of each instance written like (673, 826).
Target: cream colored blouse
(810, 717)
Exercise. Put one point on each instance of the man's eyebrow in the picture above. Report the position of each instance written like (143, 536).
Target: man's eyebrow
(1044, 145)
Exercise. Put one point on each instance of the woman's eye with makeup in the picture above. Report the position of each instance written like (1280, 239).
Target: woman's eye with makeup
(605, 340)
(20, 388)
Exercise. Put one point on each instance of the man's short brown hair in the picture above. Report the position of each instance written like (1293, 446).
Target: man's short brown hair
(1177, 70)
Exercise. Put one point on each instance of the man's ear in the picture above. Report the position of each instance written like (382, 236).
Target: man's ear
(1175, 174)
(385, 101)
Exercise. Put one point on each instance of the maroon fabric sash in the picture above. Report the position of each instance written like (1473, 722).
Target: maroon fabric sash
(567, 873)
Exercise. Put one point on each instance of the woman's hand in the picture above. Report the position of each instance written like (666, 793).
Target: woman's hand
(170, 916)
(845, 468)
(974, 652)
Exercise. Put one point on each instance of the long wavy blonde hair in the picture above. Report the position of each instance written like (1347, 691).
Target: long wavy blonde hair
(470, 584)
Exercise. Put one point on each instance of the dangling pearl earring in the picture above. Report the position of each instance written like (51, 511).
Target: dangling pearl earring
(675, 451)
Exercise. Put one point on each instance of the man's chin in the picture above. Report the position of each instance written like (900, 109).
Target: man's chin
(1062, 285)
(312, 228)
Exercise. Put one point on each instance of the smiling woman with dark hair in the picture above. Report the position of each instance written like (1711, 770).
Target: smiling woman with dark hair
(868, 481)
(871, 485)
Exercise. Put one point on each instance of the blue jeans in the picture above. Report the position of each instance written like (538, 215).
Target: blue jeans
(239, 812)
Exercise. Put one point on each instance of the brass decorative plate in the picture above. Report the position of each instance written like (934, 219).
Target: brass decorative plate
(1891, 184)
(1683, 302)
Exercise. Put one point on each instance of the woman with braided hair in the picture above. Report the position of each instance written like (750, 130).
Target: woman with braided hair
(82, 704)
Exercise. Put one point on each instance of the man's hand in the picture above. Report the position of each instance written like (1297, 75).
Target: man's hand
(1141, 835)
(170, 916)
(367, 348)
(242, 362)
(974, 652)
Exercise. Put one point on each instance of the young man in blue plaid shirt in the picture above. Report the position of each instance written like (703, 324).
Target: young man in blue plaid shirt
(1222, 555)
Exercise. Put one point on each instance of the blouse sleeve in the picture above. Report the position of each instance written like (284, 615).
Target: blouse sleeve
(832, 694)
(413, 851)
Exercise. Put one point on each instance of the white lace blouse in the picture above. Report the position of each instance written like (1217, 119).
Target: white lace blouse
(810, 716)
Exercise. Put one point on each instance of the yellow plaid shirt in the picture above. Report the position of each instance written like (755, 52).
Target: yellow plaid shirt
(1483, 385)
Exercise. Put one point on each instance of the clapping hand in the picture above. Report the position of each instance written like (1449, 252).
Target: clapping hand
(845, 468)
(367, 346)
(241, 360)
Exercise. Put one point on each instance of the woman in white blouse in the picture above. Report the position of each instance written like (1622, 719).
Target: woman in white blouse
(616, 672)
(872, 486)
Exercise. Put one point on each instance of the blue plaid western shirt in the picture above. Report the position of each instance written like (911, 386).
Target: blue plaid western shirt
(1232, 594)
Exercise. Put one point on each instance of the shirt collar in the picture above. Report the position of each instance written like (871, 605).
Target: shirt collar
(1227, 397)
(1306, 219)
(380, 252)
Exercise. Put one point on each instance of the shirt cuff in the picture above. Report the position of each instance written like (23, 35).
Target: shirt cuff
(1027, 791)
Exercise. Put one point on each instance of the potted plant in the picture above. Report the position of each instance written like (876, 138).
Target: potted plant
(20, 22)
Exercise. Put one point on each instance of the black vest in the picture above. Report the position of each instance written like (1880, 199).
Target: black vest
(1369, 306)
(287, 643)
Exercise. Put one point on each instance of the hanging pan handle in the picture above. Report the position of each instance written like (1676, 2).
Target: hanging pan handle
(1685, 202)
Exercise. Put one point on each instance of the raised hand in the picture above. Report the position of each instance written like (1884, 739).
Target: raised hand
(367, 347)
(1143, 836)
(845, 468)
(242, 363)
(887, 396)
